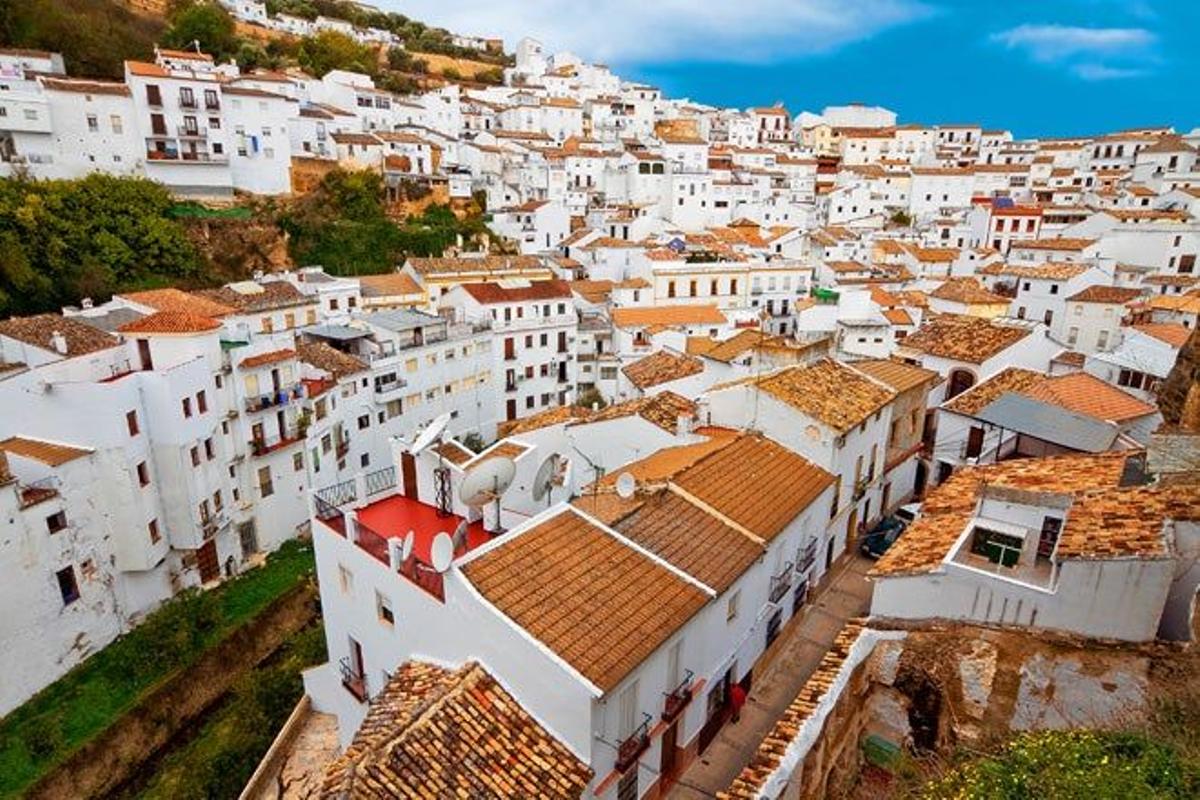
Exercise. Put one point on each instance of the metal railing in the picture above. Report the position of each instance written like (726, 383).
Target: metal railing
(380, 481)
(808, 557)
(630, 749)
(780, 583)
(274, 399)
(340, 494)
(678, 698)
(262, 445)
(31, 494)
(331, 515)
(354, 682)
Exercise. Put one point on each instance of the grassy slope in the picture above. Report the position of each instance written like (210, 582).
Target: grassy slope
(81, 704)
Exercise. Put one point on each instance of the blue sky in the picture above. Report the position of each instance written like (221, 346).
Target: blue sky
(1054, 67)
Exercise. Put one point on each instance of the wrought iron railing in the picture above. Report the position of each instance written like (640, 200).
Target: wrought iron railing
(330, 514)
(630, 749)
(380, 480)
(678, 698)
(339, 494)
(781, 582)
(353, 680)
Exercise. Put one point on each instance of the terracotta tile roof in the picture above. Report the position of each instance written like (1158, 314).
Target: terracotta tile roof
(52, 454)
(741, 342)
(1063, 244)
(758, 484)
(1188, 303)
(502, 449)
(979, 396)
(270, 357)
(963, 338)
(662, 367)
(171, 322)
(488, 293)
(330, 359)
(662, 409)
(593, 291)
(967, 291)
(682, 533)
(1050, 271)
(1125, 523)
(274, 295)
(663, 465)
(1070, 358)
(553, 577)
(750, 782)
(86, 87)
(544, 419)
(390, 285)
(350, 137)
(39, 331)
(453, 452)
(643, 316)
(1105, 294)
(1084, 393)
(434, 732)
(827, 391)
(1172, 333)
(947, 509)
(897, 374)
(177, 300)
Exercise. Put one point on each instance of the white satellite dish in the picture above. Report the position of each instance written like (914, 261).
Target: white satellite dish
(406, 548)
(487, 481)
(431, 433)
(441, 553)
(547, 477)
(626, 485)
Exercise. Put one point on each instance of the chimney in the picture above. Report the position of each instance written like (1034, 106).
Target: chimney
(86, 303)
(58, 342)
(683, 425)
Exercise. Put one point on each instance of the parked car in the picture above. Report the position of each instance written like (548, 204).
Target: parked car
(880, 538)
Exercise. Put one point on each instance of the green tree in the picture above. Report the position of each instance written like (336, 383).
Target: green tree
(330, 50)
(204, 23)
(591, 398)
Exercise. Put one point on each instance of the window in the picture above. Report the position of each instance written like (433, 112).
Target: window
(731, 609)
(1102, 340)
(93, 123)
(68, 587)
(131, 421)
(383, 607)
(345, 579)
(195, 452)
(143, 474)
(152, 529)
(364, 422)
(56, 522)
(187, 407)
(265, 486)
(210, 451)
(1072, 336)
(201, 402)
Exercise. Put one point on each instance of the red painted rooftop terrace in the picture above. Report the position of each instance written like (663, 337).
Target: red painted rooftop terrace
(390, 517)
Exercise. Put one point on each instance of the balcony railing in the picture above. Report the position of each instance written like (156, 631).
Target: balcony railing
(630, 749)
(380, 480)
(780, 583)
(808, 557)
(191, 132)
(212, 523)
(37, 492)
(354, 682)
(263, 445)
(678, 698)
(275, 399)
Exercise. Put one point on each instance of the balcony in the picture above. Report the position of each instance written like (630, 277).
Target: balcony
(213, 523)
(678, 698)
(265, 445)
(187, 102)
(387, 388)
(630, 749)
(355, 683)
(780, 583)
(191, 132)
(31, 494)
(808, 557)
(277, 399)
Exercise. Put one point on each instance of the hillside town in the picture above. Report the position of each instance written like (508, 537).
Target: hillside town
(722, 384)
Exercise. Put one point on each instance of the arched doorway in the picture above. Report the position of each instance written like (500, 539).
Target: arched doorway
(960, 380)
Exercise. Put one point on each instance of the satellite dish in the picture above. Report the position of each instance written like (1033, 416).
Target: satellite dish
(487, 481)
(626, 485)
(547, 476)
(442, 552)
(406, 549)
(460, 536)
(431, 433)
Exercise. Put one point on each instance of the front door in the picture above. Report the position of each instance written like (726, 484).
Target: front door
(206, 561)
(249, 538)
(668, 763)
(829, 554)
(408, 472)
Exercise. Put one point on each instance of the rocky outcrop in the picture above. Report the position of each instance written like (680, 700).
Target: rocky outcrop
(1179, 399)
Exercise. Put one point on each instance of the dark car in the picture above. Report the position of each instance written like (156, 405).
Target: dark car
(880, 538)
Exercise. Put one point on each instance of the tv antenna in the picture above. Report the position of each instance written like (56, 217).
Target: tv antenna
(486, 482)
(597, 474)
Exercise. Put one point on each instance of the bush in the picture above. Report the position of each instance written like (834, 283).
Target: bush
(591, 398)
(204, 22)
(330, 50)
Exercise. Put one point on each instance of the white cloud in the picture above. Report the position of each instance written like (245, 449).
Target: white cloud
(659, 31)
(1057, 42)
(1102, 72)
(1092, 54)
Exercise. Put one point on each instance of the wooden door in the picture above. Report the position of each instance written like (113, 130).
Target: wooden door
(974, 442)
(669, 756)
(206, 561)
(408, 472)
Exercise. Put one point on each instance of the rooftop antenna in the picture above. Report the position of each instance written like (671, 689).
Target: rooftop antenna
(486, 482)
(549, 475)
(597, 474)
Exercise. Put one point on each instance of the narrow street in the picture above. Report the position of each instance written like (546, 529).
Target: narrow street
(799, 650)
